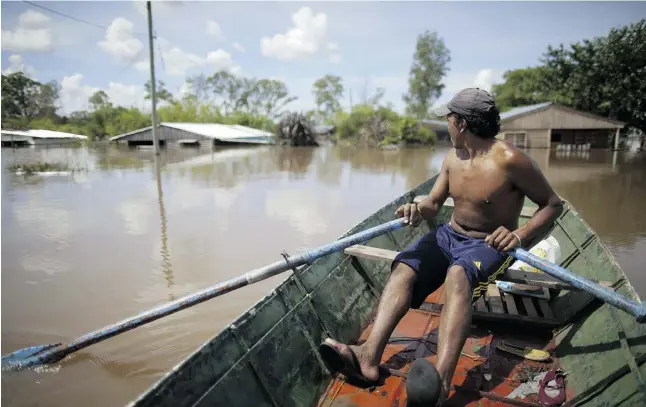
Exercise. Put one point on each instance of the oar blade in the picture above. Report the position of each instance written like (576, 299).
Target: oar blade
(22, 357)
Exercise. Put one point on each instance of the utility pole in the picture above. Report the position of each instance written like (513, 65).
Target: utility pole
(152, 77)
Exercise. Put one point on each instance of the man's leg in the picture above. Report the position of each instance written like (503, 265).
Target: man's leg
(395, 301)
(455, 321)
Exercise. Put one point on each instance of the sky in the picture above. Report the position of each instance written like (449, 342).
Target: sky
(369, 44)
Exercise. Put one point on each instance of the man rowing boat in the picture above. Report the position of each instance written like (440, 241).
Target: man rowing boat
(488, 180)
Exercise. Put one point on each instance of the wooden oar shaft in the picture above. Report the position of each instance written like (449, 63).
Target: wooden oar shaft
(49, 354)
(582, 283)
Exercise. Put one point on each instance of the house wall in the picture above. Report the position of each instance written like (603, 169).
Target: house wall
(533, 138)
(167, 134)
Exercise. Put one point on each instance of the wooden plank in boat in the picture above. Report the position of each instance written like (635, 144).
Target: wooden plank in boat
(526, 212)
(480, 304)
(489, 316)
(529, 306)
(545, 309)
(514, 276)
(493, 297)
(511, 304)
(373, 253)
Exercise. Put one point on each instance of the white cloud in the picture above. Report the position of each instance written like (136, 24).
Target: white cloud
(238, 46)
(33, 33)
(214, 29)
(178, 61)
(484, 79)
(121, 43)
(74, 94)
(305, 39)
(125, 95)
(17, 64)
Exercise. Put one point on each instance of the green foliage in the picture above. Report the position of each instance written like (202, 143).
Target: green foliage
(233, 94)
(604, 76)
(24, 99)
(374, 126)
(31, 168)
(430, 65)
(327, 92)
(522, 87)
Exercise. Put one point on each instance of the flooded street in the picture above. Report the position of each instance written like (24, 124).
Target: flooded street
(121, 236)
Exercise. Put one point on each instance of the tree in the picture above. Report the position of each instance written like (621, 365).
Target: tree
(23, 98)
(266, 96)
(160, 90)
(522, 87)
(227, 89)
(425, 79)
(99, 100)
(604, 75)
(327, 92)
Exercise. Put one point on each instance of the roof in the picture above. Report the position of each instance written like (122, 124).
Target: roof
(211, 130)
(518, 111)
(439, 123)
(50, 134)
(523, 110)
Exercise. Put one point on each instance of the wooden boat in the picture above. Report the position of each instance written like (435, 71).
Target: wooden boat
(268, 356)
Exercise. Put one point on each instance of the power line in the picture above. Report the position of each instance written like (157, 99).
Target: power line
(73, 18)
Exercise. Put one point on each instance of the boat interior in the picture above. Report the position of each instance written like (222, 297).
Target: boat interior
(511, 355)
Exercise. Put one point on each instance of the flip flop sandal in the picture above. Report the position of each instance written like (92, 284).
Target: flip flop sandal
(336, 363)
(525, 352)
(556, 376)
(423, 384)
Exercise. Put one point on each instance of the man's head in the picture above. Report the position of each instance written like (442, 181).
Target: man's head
(472, 111)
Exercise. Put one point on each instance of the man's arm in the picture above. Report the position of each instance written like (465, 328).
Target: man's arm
(529, 179)
(431, 205)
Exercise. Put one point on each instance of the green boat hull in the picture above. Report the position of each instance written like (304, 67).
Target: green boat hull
(268, 356)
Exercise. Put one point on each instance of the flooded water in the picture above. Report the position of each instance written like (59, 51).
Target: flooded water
(122, 235)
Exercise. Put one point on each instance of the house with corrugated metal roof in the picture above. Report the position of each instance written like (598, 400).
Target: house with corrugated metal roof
(34, 137)
(203, 134)
(550, 125)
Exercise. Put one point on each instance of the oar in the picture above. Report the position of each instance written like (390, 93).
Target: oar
(42, 354)
(607, 295)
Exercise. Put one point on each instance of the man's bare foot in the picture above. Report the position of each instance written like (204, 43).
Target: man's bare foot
(369, 367)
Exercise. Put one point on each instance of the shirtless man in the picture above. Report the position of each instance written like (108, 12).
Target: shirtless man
(488, 180)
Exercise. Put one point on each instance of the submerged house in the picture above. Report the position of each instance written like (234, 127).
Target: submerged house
(439, 127)
(202, 134)
(33, 137)
(550, 125)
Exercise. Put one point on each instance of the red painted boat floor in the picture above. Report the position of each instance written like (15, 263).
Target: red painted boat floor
(481, 367)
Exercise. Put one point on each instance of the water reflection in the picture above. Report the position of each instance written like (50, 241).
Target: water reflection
(165, 253)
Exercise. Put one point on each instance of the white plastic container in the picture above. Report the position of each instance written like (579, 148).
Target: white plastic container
(548, 249)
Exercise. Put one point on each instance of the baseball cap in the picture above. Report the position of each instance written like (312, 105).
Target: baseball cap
(468, 102)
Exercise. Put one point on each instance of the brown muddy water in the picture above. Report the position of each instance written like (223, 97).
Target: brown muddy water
(87, 250)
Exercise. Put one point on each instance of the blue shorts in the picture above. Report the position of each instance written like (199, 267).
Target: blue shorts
(432, 255)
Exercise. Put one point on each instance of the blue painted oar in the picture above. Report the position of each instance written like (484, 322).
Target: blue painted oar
(42, 354)
(607, 295)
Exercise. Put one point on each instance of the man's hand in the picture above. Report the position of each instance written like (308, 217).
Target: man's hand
(503, 239)
(411, 213)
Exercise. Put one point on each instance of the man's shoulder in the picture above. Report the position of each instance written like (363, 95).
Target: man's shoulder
(509, 156)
